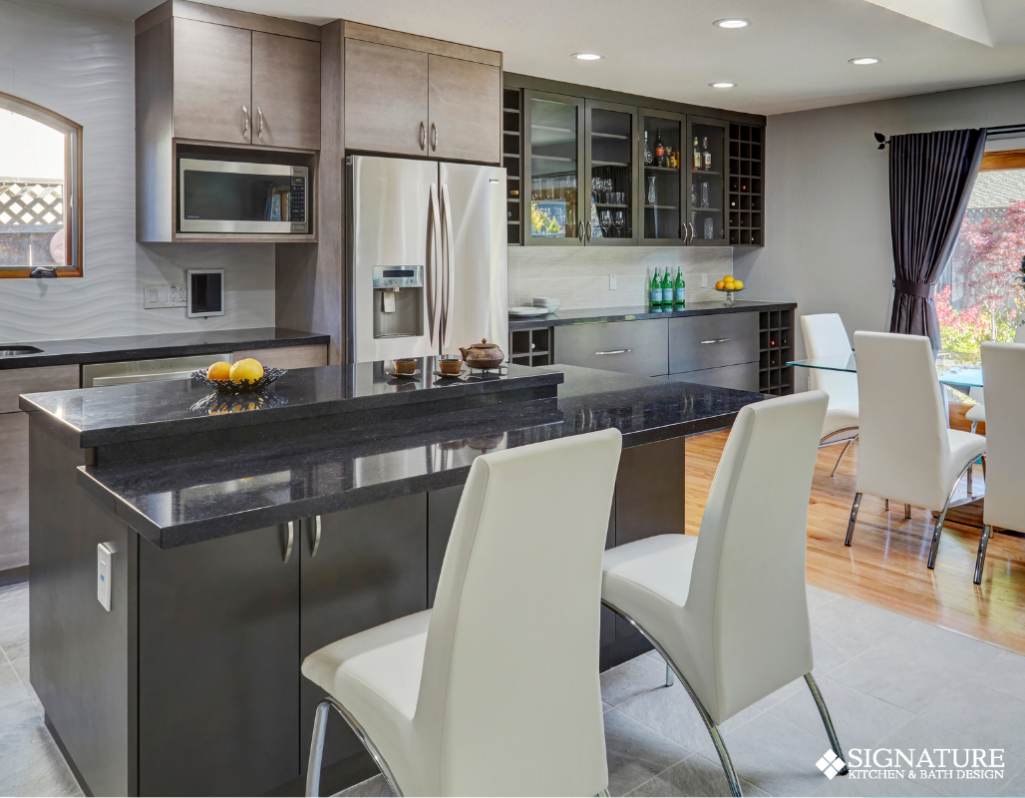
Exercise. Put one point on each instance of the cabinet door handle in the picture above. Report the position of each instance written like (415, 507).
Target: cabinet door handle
(316, 536)
(588, 230)
(289, 541)
(716, 341)
(690, 238)
(245, 121)
(615, 352)
(259, 122)
(434, 136)
(423, 136)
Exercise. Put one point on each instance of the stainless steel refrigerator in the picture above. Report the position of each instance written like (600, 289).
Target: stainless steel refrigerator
(426, 257)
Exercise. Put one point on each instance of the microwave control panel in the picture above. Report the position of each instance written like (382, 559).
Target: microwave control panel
(298, 202)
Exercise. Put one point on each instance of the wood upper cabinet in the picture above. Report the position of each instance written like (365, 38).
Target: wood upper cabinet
(465, 103)
(238, 86)
(385, 98)
(212, 82)
(286, 92)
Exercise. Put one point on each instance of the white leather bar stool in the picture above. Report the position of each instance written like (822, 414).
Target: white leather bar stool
(824, 335)
(906, 451)
(728, 609)
(1003, 368)
(495, 690)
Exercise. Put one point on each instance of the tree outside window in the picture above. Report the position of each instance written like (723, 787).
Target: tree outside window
(40, 192)
(981, 294)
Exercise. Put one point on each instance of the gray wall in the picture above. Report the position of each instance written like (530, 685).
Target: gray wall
(827, 210)
(82, 66)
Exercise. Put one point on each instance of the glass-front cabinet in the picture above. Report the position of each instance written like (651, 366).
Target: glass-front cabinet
(706, 199)
(553, 169)
(611, 162)
(663, 165)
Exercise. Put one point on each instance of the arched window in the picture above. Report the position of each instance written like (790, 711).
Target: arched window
(40, 192)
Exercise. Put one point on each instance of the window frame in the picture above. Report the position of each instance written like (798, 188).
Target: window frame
(72, 132)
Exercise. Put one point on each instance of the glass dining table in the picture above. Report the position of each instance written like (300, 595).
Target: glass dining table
(959, 370)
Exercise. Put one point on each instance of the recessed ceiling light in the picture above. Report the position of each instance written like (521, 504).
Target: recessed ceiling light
(588, 56)
(723, 85)
(864, 61)
(731, 24)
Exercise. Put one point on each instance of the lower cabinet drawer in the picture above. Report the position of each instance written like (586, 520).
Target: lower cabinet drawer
(632, 347)
(743, 377)
(703, 342)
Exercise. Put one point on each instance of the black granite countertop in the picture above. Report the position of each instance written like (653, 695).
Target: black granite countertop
(191, 499)
(592, 315)
(140, 347)
(120, 414)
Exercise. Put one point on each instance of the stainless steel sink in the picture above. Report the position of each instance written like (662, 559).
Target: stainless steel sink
(14, 351)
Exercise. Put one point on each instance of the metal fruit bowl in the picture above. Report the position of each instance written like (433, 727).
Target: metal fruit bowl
(729, 295)
(270, 375)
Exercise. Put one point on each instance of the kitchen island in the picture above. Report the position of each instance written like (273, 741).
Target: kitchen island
(247, 534)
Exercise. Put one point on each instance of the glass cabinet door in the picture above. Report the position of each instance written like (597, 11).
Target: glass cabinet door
(553, 164)
(706, 198)
(663, 161)
(612, 174)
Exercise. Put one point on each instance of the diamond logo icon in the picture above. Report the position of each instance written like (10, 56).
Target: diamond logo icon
(830, 764)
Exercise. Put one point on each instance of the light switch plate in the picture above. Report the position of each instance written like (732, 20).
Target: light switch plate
(164, 295)
(612, 282)
(104, 555)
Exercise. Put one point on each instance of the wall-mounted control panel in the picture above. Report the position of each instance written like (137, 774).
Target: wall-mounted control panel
(164, 295)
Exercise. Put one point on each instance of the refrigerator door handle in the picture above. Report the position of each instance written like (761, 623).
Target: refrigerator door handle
(448, 282)
(433, 294)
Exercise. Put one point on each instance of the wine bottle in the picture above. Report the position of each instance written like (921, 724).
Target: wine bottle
(647, 150)
(656, 292)
(697, 154)
(680, 292)
(708, 155)
(660, 149)
(667, 289)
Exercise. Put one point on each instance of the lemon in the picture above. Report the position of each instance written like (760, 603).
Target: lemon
(720, 285)
(247, 370)
(738, 284)
(219, 371)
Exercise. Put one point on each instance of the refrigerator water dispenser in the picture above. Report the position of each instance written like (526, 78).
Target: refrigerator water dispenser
(398, 301)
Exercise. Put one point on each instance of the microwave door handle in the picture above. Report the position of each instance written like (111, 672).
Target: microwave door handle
(433, 294)
(448, 263)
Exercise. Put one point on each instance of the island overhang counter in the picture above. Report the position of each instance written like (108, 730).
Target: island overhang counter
(247, 534)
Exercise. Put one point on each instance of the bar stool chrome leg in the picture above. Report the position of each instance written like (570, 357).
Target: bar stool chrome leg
(669, 675)
(943, 517)
(854, 517)
(826, 720)
(317, 747)
(980, 561)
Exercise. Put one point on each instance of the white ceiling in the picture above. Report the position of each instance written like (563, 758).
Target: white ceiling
(793, 57)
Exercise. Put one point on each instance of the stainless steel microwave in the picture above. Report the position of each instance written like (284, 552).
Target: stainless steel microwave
(242, 197)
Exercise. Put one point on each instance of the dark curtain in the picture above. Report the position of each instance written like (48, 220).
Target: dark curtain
(931, 177)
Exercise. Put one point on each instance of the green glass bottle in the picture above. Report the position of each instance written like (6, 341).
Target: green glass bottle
(667, 289)
(656, 292)
(680, 292)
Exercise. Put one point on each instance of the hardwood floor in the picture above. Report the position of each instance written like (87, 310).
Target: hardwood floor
(886, 563)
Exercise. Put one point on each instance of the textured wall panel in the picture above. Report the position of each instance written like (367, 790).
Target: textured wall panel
(83, 67)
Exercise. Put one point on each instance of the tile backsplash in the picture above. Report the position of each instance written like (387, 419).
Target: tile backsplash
(579, 276)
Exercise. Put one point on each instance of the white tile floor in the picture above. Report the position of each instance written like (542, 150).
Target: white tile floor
(890, 682)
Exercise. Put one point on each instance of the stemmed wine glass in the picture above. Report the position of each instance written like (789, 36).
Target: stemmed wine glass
(606, 221)
(620, 222)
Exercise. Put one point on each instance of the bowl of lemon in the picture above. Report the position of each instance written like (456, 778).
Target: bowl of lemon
(244, 376)
(730, 286)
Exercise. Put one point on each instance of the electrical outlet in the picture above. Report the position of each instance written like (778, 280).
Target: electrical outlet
(612, 282)
(704, 281)
(164, 295)
(104, 553)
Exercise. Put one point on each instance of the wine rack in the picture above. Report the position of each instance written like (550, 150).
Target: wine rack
(775, 334)
(512, 159)
(747, 218)
(532, 347)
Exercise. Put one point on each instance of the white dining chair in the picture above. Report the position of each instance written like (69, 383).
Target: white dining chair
(825, 335)
(1003, 368)
(494, 691)
(977, 413)
(728, 609)
(906, 451)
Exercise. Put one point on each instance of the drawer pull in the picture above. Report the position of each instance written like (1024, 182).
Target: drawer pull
(716, 341)
(615, 352)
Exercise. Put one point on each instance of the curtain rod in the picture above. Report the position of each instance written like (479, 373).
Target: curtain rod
(999, 132)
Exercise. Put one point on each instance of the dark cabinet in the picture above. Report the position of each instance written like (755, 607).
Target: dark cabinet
(662, 186)
(370, 567)
(611, 167)
(706, 198)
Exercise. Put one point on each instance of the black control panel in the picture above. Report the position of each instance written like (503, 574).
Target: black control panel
(298, 199)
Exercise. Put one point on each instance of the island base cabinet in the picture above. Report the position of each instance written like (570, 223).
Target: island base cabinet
(370, 567)
(218, 666)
